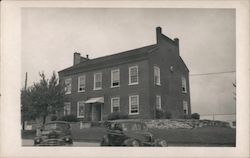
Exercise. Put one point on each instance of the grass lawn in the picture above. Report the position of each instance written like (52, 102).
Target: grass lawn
(199, 136)
(207, 135)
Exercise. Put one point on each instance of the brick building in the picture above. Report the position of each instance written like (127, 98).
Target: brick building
(135, 82)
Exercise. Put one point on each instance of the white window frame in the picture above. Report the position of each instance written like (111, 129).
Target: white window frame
(67, 104)
(80, 103)
(137, 71)
(97, 88)
(185, 107)
(79, 81)
(112, 103)
(159, 101)
(183, 85)
(112, 77)
(157, 71)
(68, 85)
(138, 104)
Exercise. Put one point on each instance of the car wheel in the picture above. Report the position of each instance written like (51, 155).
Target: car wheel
(135, 143)
(104, 141)
(163, 143)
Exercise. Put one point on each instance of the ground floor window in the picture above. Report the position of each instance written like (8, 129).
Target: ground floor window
(134, 104)
(80, 109)
(158, 102)
(185, 107)
(115, 104)
(67, 108)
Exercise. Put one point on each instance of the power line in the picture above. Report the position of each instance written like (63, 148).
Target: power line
(212, 73)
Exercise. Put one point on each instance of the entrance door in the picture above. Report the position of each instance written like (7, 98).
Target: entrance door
(96, 112)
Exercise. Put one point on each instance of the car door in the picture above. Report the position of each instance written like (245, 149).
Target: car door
(116, 135)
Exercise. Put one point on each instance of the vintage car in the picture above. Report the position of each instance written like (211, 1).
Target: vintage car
(54, 133)
(129, 133)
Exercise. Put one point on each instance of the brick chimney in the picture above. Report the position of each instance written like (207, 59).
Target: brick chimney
(158, 34)
(176, 41)
(77, 58)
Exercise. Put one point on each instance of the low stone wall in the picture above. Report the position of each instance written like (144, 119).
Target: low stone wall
(183, 123)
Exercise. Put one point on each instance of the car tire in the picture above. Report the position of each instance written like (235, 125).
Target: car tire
(135, 143)
(163, 143)
(104, 141)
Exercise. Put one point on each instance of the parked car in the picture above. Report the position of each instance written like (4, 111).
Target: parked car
(54, 133)
(129, 133)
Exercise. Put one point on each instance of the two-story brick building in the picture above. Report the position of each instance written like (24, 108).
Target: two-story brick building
(135, 82)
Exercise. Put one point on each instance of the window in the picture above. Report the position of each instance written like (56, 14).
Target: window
(133, 75)
(81, 83)
(67, 108)
(184, 85)
(115, 104)
(80, 109)
(185, 107)
(134, 104)
(68, 83)
(158, 102)
(97, 81)
(115, 78)
(157, 75)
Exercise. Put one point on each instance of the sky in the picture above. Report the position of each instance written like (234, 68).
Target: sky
(207, 37)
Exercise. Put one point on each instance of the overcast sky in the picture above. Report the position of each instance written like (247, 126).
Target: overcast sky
(207, 44)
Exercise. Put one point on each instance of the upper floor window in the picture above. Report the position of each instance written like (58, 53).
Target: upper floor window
(115, 78)
(184, 85)
(98, 81)
(80, 109)
(134, 104)
(133, 75)
(158, 102)
(67, 108)
(157, 75)
(115, 104)
(81, 83)
(185, 107)
(68, 83)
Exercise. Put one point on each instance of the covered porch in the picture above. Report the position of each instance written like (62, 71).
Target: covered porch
(96, 108)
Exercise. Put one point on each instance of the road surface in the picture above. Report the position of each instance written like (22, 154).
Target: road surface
(29, 142)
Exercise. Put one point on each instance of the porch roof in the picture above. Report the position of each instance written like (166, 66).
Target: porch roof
(95, 100)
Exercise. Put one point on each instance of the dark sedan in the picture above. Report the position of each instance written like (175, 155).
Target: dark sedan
(54, 133)
(129, 133)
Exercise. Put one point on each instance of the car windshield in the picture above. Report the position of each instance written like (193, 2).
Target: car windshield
(131, 126)
(56, 126)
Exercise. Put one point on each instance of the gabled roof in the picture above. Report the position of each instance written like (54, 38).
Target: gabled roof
(109, 60)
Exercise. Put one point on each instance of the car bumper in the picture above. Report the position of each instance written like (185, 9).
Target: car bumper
(51, 142)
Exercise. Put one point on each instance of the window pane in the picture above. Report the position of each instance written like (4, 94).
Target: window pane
(133, 71)
(157, 75)
(115, 103)
(158, 102)
(185, 107)
(81, 109)
(68, 85)
(184, 84)
(81, 83)
(134, 104)
(115, 77)
(98, 80)
(67, 108)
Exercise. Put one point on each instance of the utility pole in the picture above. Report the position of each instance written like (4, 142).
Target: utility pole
(25, 87)
(26, 78)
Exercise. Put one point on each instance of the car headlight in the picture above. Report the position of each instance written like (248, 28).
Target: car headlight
(37, 140)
